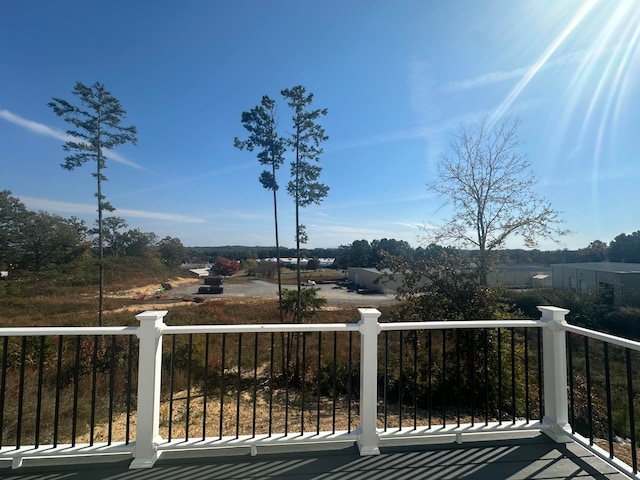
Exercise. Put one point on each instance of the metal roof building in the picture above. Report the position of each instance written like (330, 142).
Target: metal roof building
(617, 283)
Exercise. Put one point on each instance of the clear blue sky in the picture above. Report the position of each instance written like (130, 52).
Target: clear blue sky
(396, 77)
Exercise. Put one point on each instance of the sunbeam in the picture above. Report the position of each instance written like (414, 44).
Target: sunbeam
(541, 61)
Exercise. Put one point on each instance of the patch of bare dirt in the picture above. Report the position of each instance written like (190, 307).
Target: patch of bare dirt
(153, 288)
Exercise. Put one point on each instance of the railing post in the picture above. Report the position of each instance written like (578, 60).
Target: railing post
(367, 430)
(556, 412)
(149, 362)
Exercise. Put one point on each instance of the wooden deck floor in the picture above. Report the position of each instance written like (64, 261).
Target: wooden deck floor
(533, 457)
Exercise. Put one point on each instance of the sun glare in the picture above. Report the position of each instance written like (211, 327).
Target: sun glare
(583, 11)
(607, 34)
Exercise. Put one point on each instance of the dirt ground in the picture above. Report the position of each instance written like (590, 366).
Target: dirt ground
(185, 290)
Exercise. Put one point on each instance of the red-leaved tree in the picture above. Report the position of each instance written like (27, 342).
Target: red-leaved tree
(225, 266)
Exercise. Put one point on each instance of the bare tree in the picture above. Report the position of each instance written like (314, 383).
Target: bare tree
(489, 184)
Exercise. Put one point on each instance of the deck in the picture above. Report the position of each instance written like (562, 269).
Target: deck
(520, 456)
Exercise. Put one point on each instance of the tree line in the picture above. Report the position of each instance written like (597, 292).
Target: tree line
(33, 241)
(368, 254)
(37, 240)
(623, 248)
(239, 252)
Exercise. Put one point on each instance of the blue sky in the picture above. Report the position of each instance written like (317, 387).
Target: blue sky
(396, 76)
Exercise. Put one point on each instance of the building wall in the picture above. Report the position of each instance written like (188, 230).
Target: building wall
(519, 278)
(583, 279)
(623, 286)
(367, 278)
(630, 289)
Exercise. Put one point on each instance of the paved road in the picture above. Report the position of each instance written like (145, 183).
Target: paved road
(258, 288)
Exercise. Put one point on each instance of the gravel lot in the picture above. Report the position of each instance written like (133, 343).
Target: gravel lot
(259, 289)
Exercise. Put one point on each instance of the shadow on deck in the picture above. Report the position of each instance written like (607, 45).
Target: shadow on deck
(533, 456)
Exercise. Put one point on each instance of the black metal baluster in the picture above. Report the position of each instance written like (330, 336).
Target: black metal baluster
(318, 385)
(444, 378)
(76, 376)
(112, 374)
(415, 380)
(23, 353)
(607, 380)
(271, 359)
(129, 378)
(205, 386)
(56, 413)
(286, 385)
(540, 381)
(222, 384)
(429, 371)
(188, 399)
(472, 372)
(349, 387)
(3, 385)
(386, 378)
(500, 376)
(513, 374)
(39, 394)
(239, 382)
(486, 376)
(94, 375)
(587, 366)
(632, 418)
(255, 385)
(401, 382)
(527, 411)
(303, 382)
(335, 374)
(572, 402)
(458, 385)
(171, 375)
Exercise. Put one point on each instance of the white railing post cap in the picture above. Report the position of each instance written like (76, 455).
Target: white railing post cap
(549, 312)
(152, 315)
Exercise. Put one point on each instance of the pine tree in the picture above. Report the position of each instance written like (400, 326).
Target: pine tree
(96, 128)
(304, 141)
(261, 124)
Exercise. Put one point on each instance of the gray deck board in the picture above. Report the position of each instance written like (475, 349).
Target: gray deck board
(535, 457)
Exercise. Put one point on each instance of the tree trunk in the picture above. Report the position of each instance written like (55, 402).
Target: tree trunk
(298, 279)
(100, 233)
(100, 253)
(278, 268)
(483, 268)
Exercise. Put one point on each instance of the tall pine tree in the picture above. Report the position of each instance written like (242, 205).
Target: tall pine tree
(96, 128)
(304, 141)
(261, 124)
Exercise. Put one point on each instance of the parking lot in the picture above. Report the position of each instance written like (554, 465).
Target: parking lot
(335, 295)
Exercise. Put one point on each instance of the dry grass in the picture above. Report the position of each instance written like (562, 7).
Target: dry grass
(622, 451)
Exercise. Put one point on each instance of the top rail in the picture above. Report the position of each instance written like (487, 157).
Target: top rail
(605, 337)
(468, 324)
(268, 327)
(46, 331)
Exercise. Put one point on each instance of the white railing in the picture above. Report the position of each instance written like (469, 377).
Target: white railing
(149, 444)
